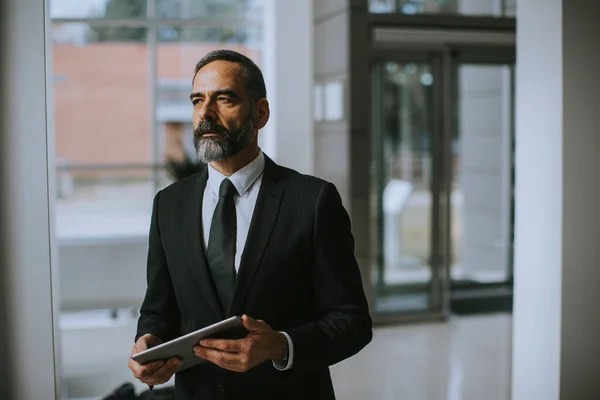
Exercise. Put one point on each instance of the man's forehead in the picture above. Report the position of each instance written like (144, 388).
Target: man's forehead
(218, 73)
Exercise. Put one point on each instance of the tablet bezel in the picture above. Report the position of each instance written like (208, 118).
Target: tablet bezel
(182, 346)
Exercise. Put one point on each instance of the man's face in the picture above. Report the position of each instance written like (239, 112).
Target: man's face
(223, 119)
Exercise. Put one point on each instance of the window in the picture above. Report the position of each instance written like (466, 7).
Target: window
(122, 77)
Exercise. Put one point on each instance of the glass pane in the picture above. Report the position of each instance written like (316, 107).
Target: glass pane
(216, 10)
(106, 202)
(107, 9)
(465, 7)
(405, 163)
(178, 52)
(102, 224)
(103, 123)
(482, 186)
(102, 109)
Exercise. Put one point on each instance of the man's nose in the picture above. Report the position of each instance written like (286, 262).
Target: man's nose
(207, 112)
(206, 118)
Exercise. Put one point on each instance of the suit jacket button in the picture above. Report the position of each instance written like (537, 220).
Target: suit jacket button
(222, 388)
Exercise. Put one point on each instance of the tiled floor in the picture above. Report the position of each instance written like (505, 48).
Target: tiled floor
(466, 358)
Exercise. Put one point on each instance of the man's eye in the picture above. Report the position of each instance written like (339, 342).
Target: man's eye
(224, 99)
(195, 101)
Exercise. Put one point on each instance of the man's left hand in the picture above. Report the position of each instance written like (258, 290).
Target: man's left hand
(261, 344)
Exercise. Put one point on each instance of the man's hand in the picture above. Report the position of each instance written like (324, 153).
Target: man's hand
(261, 344)
(156, 372)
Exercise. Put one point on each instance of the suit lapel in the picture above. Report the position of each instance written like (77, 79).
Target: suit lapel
(194, 247)
(261, 226)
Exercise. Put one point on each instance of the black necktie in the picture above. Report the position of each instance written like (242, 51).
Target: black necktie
(221, 244)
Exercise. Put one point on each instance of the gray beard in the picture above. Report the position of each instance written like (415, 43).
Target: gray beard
(225, 144)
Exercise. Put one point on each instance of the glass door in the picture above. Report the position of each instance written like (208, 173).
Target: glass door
(443, 130)
(406, 106)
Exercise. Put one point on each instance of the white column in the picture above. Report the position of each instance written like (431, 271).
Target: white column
(556, 351)
(288, 69)
(26, 333)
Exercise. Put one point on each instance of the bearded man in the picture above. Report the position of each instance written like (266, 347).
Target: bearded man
(248, 237)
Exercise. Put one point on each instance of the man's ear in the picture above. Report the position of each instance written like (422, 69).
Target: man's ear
(262, 113)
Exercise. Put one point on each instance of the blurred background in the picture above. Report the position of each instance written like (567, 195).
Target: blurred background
(407, 106)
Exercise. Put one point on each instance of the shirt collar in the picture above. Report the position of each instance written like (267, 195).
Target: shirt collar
(241, 179)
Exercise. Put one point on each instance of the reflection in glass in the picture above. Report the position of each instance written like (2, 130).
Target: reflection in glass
(405, 164)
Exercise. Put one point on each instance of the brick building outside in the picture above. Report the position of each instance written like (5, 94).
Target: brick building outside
(104, 105)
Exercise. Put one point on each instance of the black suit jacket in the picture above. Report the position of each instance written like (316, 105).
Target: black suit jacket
(298, 273)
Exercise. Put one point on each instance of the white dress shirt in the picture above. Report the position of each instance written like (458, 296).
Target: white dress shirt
(247, 182)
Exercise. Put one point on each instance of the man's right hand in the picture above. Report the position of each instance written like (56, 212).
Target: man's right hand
(156, 372)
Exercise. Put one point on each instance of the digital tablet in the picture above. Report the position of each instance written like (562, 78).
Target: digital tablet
(182, 347)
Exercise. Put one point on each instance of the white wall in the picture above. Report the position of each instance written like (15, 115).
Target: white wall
(288, 71)
(29, 365)
(556, 324)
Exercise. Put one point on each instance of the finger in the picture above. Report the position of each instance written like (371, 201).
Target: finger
(230, 346)
(230, 361)
(139, 347)
(164, 373)
(135, 368)
(142, 343)
(141, 371)
(151, 340)
(253, 325)
(151, 368)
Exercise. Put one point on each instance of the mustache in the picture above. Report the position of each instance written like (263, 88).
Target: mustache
(209, 126)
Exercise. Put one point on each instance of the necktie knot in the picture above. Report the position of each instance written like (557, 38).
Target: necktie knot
(227, 189)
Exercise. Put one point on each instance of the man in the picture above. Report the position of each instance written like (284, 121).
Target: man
(248, 237)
